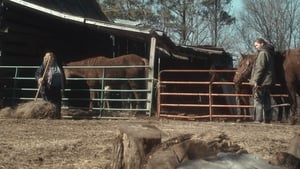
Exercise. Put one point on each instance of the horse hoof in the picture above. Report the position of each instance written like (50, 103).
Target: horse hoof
(239, 120)
(293, 120)
(140, 114)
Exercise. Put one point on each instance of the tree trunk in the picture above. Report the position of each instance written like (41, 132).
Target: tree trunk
(133, 143)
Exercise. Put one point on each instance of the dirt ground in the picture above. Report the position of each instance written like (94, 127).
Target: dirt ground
(77, 144)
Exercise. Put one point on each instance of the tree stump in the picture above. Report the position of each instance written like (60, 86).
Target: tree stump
(133, 143)
(291, 158)
(171, 153)
(294, 146)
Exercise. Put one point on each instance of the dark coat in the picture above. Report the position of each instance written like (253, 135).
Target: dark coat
(57, 79)
(263, 71)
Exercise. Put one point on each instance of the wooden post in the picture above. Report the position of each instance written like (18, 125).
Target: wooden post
(133, 143)
(210, 101)
(151, 75)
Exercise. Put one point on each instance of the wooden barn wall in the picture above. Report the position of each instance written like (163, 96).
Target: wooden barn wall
(124, 45)
(30, 35)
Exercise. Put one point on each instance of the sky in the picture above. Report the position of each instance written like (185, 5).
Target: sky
(237, 5)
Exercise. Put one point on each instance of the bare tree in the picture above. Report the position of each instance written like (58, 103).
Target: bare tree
(275, 21)
(182, 20)
(217, 17)
(134, 10)
(187, 22)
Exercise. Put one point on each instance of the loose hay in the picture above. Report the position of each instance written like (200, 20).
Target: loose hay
(32, 110)
(188, 147)
(6, 112)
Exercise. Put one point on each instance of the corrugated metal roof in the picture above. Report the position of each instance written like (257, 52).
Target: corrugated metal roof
(82, 11)
(82, 8)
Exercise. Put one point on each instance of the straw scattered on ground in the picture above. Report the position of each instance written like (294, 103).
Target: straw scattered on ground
(31, 110)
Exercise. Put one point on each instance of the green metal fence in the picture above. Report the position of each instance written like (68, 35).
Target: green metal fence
(17, 84)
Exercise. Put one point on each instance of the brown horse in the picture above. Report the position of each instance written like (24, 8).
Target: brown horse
(243, 74)
(289, 60)
(137, 69)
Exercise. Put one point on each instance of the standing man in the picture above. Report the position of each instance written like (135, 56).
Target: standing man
(51, 79)
(262, 77)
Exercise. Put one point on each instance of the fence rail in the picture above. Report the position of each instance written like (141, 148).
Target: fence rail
(18, 84)
(186, 94)
(201, 94)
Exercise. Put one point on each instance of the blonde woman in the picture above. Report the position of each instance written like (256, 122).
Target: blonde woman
(51, 79)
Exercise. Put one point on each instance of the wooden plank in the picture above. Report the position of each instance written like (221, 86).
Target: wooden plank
(14, 59)
(17, 48)
(25, 30)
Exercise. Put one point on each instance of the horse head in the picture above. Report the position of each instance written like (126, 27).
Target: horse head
(244, 68)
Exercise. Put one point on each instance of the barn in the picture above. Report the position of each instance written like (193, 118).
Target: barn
(79, 29)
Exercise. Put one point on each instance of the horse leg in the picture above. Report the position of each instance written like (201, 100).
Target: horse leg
(126, 96)
(106, 95)
(92, 97)
(286, 108)
(280, 109)
(242, 102)
(138, 95)
(245, 102)
(293, 102)
(92, 84)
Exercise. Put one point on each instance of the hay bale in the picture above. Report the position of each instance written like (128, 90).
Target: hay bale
(33, 110)
(6, 112)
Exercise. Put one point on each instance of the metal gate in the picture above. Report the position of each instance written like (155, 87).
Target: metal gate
(195, 94)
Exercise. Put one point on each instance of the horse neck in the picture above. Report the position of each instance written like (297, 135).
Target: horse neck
(241, 77)
(69, 72)
(247, 64)
(75, 71)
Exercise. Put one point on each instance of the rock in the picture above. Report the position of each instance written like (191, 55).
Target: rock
(287, 160)
(228, 161)
(291, 158)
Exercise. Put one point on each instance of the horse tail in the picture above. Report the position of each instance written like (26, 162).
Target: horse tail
(146, 61)
(147, 68)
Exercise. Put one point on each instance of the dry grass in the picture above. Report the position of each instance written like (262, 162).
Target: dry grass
(48, 144)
